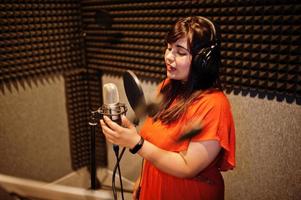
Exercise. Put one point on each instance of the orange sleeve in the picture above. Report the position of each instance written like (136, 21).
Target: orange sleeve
(217, 124)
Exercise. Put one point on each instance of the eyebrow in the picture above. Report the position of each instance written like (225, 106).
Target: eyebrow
(182, 47)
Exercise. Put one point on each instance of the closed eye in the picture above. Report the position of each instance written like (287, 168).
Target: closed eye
(181, 53)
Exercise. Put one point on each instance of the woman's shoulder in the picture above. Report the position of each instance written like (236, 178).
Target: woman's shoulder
(162, 84)
(212, 96)
(212, 99)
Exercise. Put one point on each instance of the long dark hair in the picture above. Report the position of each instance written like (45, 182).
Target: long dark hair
(199, 36)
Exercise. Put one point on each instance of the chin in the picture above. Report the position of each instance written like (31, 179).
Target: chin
(172, 76)
(175, 77)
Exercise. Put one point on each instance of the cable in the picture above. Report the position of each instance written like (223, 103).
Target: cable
(120, 180)
(117, 167)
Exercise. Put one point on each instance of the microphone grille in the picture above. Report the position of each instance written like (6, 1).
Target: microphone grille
(110, 94)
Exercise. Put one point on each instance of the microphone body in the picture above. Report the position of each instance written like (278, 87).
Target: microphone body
(112, 108)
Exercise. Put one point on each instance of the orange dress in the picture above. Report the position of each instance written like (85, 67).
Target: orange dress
(213, 108)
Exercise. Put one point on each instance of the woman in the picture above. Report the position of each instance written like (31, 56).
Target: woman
(190, 168)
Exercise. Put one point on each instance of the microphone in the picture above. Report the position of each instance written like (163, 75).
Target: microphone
(111, 106)
(113, 109)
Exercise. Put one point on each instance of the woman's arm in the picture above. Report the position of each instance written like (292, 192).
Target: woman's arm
(184, 164)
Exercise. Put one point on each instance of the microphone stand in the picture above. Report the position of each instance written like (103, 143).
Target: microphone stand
(95, 116)
(93, 122)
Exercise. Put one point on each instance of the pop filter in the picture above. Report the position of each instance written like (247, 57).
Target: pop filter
(134, 92)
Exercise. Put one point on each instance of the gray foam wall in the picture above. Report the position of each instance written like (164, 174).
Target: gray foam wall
(34, 136)
(268, 150)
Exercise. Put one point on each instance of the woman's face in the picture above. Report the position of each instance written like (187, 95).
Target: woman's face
(177, 60)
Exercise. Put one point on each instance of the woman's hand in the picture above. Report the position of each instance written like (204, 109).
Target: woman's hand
(125, 135)
(136, 189)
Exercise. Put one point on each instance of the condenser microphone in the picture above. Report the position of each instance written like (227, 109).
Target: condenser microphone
(111, 107)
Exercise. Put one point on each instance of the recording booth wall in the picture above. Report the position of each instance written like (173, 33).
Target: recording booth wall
(56, 55)
(260, 44)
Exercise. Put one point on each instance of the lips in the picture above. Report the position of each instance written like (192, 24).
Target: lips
(170, 68)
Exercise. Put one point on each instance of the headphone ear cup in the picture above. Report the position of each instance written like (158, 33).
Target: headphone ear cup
(205, 66)
(201, 59)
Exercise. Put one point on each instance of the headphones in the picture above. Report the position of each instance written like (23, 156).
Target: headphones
(206, 61)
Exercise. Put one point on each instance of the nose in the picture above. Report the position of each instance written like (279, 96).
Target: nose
(170, 57)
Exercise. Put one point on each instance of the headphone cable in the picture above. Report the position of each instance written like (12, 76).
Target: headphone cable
(117, 167)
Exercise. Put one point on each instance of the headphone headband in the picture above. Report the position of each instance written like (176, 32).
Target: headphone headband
(213, 30)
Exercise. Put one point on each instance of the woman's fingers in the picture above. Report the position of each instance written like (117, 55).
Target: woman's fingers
(124, 135)
(126, 123)
(112, 125)
(136, 189)
(108, 132)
